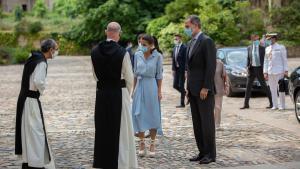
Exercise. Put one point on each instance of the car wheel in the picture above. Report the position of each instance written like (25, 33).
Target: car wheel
(297, 106)
(229, 92)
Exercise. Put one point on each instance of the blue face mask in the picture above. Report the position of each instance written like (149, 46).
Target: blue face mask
(256, 42)
(267, 43)
(188, 32)
(144, 49)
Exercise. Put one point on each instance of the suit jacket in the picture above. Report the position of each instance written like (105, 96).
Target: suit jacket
(201, 65)
(181, 58)
(261, 56)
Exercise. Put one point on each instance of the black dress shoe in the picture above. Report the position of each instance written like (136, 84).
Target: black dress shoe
(207, 160)
(245, 107)
(24, 165)
(180, 106)
(196, 158)
(269, 107)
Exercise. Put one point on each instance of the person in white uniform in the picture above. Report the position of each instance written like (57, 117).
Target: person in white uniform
(31, 142)
(275, 68)
(114, 135)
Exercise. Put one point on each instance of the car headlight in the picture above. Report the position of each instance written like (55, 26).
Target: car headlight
(239, 74)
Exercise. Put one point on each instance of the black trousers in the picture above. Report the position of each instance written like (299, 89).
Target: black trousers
(178, 84)
(256, 72)
(204, 124)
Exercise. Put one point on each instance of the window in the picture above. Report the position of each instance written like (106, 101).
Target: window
(220, 55)
(24, 7)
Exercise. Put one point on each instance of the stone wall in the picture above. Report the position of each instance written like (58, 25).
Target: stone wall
(9, 5)
(293, 51)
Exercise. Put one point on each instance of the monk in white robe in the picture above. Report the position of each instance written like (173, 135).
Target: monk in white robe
(31, 140)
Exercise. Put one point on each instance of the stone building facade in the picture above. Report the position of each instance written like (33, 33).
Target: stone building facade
(26, 5)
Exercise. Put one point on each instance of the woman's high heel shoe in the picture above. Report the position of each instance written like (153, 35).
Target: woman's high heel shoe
(142, 153)
(152, 153)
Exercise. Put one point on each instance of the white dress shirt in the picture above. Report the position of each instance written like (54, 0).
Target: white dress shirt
(255, 56)
(177, 48)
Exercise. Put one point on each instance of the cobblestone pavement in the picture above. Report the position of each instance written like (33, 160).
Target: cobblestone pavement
(250, 138)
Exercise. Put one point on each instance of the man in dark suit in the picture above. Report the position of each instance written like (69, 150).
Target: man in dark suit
(201, 66)
(178, 67)
(255, 63)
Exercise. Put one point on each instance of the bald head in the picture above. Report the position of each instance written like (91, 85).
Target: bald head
(113, 31)
(113, 27)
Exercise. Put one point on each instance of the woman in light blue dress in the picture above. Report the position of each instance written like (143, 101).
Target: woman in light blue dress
(146, 112)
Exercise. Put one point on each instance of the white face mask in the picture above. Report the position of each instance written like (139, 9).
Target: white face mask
(176, 42)
(55, 54)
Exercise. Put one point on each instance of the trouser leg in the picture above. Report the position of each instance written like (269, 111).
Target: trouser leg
(196, 123)
(250, 80)
(263, 84)
(281, 94)
(218, 109)
(176, 81)
(181, 87)
(207, 126)
(273, 83)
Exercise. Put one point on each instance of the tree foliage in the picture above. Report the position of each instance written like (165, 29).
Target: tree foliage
(133, 15)
(287, 21)
(218, 22)
(66, 8)
(39, 9)
(18, 13)
(226, 21)
(249, 20)
(179, 9)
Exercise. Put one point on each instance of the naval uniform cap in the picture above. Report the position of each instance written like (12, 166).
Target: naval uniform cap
(271, 35)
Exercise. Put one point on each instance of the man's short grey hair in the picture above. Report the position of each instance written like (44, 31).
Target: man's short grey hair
(114, 27)
(47, 44)
(195, 20)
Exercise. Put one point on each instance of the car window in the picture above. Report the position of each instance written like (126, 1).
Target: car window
(220, 55)
(237, 58)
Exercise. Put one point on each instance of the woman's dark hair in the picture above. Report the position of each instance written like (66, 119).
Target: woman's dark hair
(148, 39)
(140, 36)
(152, 41)
(156, 45)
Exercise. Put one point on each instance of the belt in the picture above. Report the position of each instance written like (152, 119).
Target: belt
(108, 84)
(32, 94)
(144, 77)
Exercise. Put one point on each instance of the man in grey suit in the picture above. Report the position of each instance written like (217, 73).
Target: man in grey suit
(201, 66)
(255, 63)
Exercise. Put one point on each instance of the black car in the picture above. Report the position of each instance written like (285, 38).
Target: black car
(235, 61)
(294, 90)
